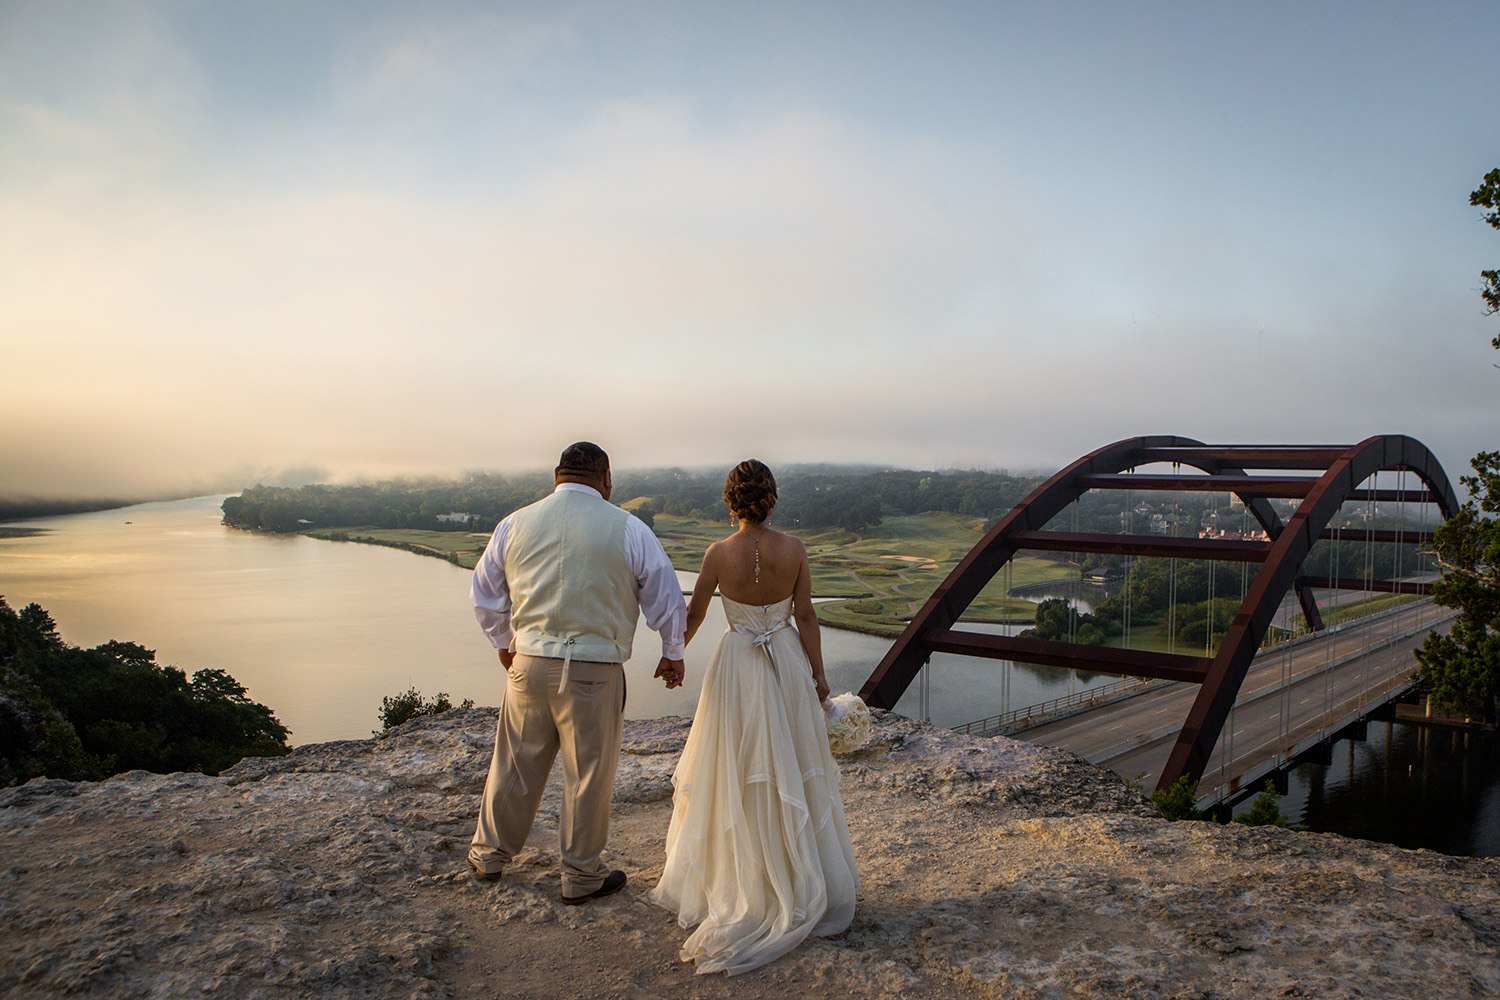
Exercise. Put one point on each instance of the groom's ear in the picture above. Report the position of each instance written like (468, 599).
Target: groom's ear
(607, 484)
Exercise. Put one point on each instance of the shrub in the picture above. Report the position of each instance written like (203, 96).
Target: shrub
(1179, 801)
(1265, 811)
(409, 704)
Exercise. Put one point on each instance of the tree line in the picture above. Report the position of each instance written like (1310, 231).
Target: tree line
(84, 714)
(811, 498)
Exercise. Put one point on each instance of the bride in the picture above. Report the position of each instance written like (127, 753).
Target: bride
(758, 851)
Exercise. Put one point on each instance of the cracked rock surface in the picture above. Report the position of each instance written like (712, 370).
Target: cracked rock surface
(990, 868)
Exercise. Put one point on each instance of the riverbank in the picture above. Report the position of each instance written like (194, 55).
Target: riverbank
(989, 868)
(871, 583)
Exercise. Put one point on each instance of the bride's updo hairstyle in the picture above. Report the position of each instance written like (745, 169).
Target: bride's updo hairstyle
(750, 491)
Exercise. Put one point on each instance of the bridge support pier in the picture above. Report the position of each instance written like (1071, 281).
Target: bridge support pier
(1357, 731)
(1322, 753)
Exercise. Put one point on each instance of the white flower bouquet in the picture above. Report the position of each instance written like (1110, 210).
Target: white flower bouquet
(848, 722)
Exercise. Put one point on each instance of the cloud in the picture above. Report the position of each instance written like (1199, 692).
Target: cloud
(457, 248)
(406, 60)
(371, 328)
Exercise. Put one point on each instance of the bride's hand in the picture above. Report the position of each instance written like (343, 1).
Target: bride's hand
(671, 672)
(822, 683)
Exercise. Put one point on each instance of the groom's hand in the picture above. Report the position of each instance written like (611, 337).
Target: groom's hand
(670, 671)
(506, 658)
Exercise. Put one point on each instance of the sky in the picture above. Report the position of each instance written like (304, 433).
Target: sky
(289, 241)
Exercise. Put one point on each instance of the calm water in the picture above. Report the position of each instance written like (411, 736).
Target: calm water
(321, 631)
(1413, 786)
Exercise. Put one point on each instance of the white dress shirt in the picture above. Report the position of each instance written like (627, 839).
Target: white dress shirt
(660, 593)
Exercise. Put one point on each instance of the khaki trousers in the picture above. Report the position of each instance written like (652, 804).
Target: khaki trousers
(584, 723)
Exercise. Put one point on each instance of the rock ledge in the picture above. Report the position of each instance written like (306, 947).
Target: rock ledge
(990, 868)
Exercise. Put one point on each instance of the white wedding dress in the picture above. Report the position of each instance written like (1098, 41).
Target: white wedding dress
(758, 851)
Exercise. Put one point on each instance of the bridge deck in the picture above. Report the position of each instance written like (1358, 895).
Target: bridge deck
(1292, 699)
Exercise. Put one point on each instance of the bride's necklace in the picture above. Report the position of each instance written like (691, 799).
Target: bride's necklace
(757, 561)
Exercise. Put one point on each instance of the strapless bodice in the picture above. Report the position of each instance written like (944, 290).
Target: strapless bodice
(757, 617)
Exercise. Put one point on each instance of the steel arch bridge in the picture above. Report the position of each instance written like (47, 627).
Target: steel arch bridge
(1341, 472)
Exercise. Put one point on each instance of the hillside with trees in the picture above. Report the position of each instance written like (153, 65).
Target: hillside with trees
(84, 714)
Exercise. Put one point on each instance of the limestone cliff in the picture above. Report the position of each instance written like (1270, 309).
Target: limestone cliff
(990, 868)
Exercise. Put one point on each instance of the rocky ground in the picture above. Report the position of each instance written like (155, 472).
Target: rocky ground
(990, 868)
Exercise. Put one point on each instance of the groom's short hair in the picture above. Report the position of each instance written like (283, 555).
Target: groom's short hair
(583, 458)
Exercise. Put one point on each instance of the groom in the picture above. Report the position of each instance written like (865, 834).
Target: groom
(557, 591)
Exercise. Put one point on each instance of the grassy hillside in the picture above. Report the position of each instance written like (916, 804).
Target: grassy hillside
(879, 578)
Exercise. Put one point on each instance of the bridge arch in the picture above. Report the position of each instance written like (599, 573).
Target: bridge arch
(1342, 471)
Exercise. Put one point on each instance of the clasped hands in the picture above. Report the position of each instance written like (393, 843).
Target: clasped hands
(671, 672)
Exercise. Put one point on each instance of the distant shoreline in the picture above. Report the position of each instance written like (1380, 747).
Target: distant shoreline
(30, 510)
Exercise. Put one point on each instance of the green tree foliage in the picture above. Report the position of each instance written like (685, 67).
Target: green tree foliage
(409, 704)
(1265, 810)
(398, 503)
(1179, 801)
(811, 497)
(1056, 619)
(1488, 196)
(88, 713)
(643, 509)
(1461, 670)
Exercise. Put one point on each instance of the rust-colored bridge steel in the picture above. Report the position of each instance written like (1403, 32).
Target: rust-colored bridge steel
(1342, 471)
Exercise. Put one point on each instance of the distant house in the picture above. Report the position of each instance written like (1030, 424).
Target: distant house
(454, 518)
(1103, 574)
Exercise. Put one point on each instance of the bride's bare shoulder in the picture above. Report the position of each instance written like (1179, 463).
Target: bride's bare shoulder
(787, 539)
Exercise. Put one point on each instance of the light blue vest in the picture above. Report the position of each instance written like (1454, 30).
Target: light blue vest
(573, 595)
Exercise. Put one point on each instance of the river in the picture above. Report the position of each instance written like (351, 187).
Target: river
(321, 631)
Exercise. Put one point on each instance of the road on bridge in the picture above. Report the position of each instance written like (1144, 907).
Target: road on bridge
(1294, 695)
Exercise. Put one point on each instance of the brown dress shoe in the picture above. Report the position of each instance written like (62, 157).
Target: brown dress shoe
(491, 876)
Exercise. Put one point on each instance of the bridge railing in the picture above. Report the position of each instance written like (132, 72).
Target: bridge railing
(1077, 699)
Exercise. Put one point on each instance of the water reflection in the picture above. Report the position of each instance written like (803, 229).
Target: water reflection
(1412, 786)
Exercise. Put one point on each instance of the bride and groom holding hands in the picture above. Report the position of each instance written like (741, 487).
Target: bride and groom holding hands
(758, 854)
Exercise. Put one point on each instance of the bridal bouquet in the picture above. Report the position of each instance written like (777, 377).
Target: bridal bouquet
(848, 723)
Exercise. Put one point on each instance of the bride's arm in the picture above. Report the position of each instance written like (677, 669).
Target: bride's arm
(703, 592)
(807, 623)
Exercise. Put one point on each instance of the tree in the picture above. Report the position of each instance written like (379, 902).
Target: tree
(1265, 810)
(1461, 670)
(1488, 196)
(1179, 801)
(74, 713)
